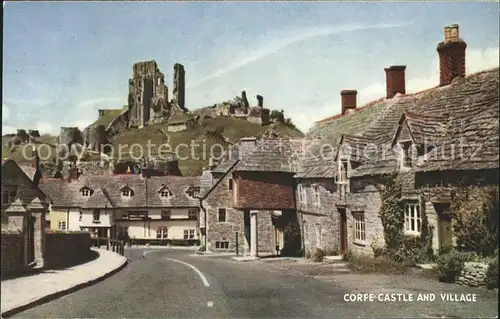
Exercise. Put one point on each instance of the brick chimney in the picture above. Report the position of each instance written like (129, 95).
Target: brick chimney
(35, 159)
(260, 101)
(395, 80)
(451, 55)
(348, 100)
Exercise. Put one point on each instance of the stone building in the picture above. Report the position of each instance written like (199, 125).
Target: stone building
(431, 140)
(146, 209)
(24, 207)
(248, 200)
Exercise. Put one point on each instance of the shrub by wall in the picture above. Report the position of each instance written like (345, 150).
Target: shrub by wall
(12, 253)
(63, 249)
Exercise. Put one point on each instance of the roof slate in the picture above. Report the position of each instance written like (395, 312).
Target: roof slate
(107, 191)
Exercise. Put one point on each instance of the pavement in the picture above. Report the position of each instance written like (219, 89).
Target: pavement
(175, 284)
(25, 292)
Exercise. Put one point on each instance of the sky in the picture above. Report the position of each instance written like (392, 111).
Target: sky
(62, 61)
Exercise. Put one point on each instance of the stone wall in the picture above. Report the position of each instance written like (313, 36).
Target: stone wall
(66, 249)
(12, 253)
(473, 274)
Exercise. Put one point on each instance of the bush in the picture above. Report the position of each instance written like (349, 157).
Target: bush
(277, 116)
(492, 274)
(380, 264)
(451, 265)
(202, 248)
(318, 255)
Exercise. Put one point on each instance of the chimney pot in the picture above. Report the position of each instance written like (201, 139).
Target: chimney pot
(395, 80)
(348, 100)
(451, 56)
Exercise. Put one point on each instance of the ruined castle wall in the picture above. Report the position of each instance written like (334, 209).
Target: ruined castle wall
(119, 124)
(97, 137)
(179, 86)
(70, 135)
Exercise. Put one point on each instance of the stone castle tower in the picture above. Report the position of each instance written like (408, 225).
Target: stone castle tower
(148, 94)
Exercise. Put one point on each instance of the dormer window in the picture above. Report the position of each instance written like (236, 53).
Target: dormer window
(193, 192)
(85, 192)
(165, 192)
(301, 193)
(343, 167)
(127, 192)
(406, 149)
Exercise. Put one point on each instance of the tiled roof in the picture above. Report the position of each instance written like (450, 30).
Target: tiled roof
(107, 190)
(464, 112)
(459, 120)
(319, 160)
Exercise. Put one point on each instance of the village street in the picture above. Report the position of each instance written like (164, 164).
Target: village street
(167, 283)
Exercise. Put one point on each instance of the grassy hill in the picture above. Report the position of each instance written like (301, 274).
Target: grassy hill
(190, 163)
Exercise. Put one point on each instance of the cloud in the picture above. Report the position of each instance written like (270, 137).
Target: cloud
(94, 103)
(46, 128)
(5, 112)
(284, 40)
(8, 129)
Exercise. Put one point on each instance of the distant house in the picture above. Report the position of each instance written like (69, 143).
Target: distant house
(157, 210)
(418, 138)
(179, 123)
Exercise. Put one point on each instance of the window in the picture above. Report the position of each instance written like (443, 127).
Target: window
(161, 233)
(8, 197)
(230, 184)
(126, 192)
(406, 154)
(316, 195)
(61, 225)
(343, 171)
(166, 214)
(193, 214)
(413, 220)
(189, 234)
(221, 216)
(164, 192)
(85, 192)
(193, 191)
(221, 245)
(301, 190)
(359, 226)
(80, 217)
(123, 231)
(96, 215)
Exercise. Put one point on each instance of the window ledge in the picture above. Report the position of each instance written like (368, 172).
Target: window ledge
(359, 243)
(412, 234)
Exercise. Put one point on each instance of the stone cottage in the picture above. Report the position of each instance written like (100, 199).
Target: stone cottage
(430, 140)
(248, 199)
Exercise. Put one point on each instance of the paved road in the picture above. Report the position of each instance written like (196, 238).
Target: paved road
(161, 285)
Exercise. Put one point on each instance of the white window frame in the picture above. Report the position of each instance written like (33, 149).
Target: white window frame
(316, 195)
(126, 192)
(413, 218)
(61, 225)
(165, 193)
(9, 196)
(162, 232)
(221, 243)
(359, 229)
(85, 192)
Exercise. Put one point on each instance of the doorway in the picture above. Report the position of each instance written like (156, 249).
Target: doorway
(344, 247)
(445, 228)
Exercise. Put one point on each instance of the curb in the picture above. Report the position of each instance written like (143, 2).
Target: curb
(61, 293)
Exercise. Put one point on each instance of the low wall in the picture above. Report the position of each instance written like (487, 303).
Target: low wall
(66, 249)
(473, 274)
(12, 253)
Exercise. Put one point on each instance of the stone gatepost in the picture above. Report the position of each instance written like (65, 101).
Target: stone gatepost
(254, 251)
(18, 217)
(38, 210)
